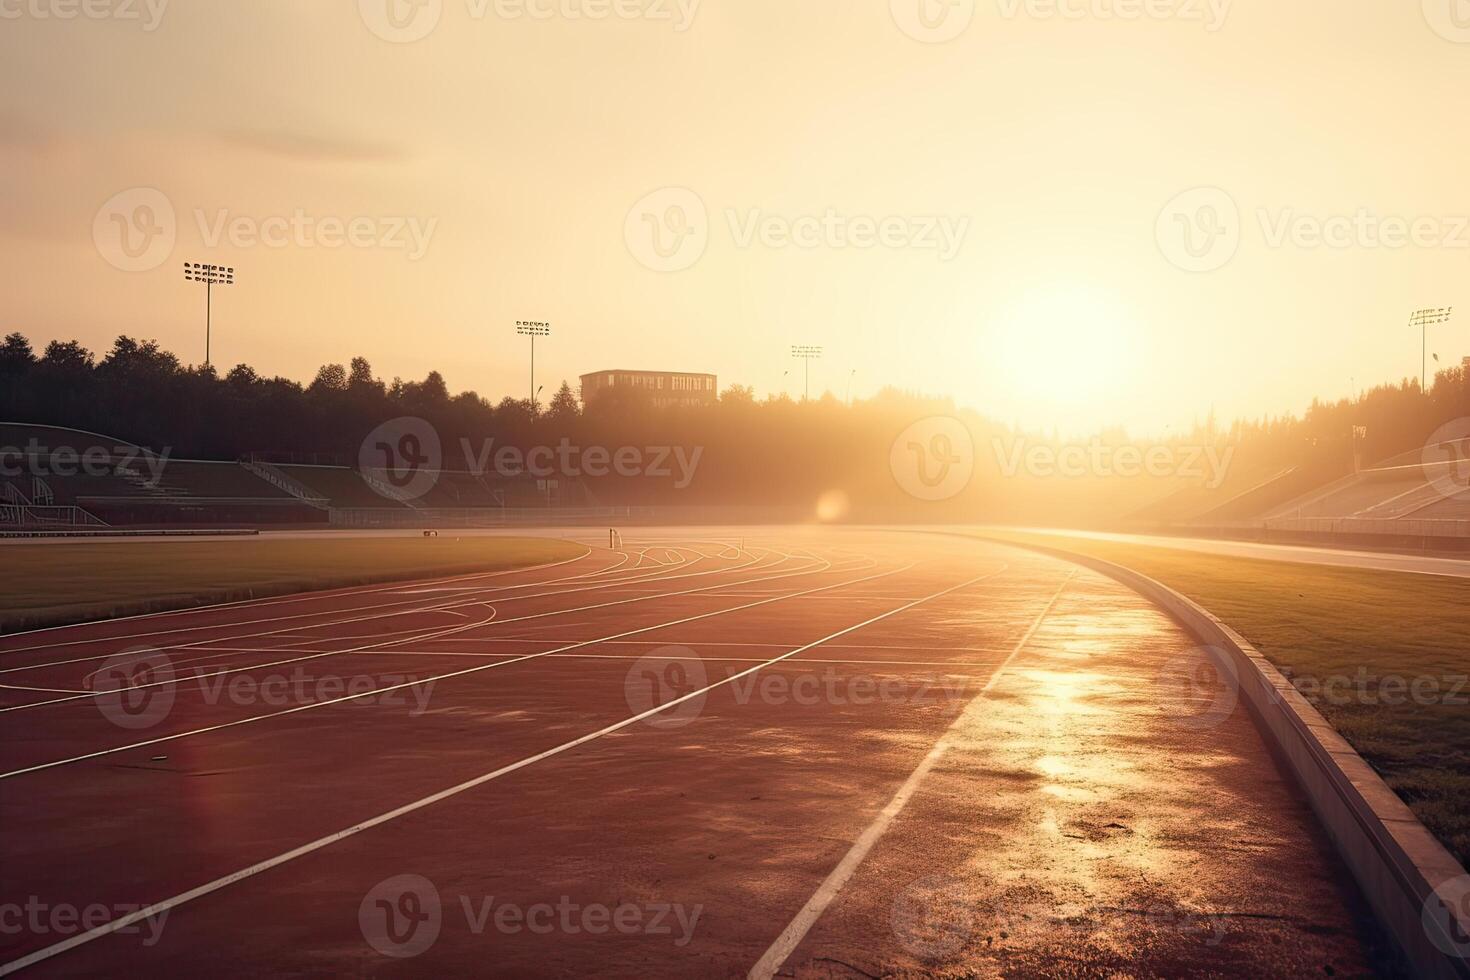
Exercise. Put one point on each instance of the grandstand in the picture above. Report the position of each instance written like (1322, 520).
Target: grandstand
(337, 485)
(52, 477)
(56, 477)
(1417, 497)
(1249, 490)
(1397, 491)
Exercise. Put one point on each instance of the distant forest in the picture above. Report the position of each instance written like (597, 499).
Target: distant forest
(754, 450)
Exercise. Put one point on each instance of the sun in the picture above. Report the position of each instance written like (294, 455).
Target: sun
(1057, 351)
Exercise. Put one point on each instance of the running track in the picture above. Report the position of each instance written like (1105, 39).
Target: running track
(803, 753)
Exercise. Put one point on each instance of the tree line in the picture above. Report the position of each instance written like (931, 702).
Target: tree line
(772, 450)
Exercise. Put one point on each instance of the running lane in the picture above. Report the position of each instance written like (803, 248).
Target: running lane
(874, 755)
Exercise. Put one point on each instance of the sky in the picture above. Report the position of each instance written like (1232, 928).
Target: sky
(1067, 214)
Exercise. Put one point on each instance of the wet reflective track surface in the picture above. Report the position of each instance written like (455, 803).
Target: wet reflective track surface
(812, 753)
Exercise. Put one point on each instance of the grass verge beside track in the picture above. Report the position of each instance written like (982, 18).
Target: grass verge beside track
(55, 583)
(1373, 634)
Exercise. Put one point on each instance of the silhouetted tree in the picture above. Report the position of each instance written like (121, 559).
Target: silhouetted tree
(564, 407)
(16, 356)
(329, 378)
(758, 452)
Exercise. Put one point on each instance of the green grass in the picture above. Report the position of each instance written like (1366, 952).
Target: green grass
(52, 583)
(1316, 622)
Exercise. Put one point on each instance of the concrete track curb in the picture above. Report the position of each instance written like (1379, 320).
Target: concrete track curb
(1418, 890)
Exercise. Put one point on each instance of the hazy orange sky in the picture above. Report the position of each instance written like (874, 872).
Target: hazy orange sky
(970, 198)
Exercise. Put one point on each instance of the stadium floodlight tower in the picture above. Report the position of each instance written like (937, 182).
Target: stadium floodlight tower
(1424, 319)
(533, 329)
(806, 354)
(211, 276)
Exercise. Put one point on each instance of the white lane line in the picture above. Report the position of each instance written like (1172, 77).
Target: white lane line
(432, 633)
(715, 643)
(347, 593)
(730, 660)
(48, 690)
(413, 611)
(321, 842)
(766, 967)
(410, 636)
(418, 637)
(394, 609)
(405, 607)
(408, 684)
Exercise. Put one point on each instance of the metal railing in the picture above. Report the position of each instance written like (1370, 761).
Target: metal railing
(37, 515)
(281, 481)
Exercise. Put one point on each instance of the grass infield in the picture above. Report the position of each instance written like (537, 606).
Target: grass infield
(54, 583)
(1385, 656)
